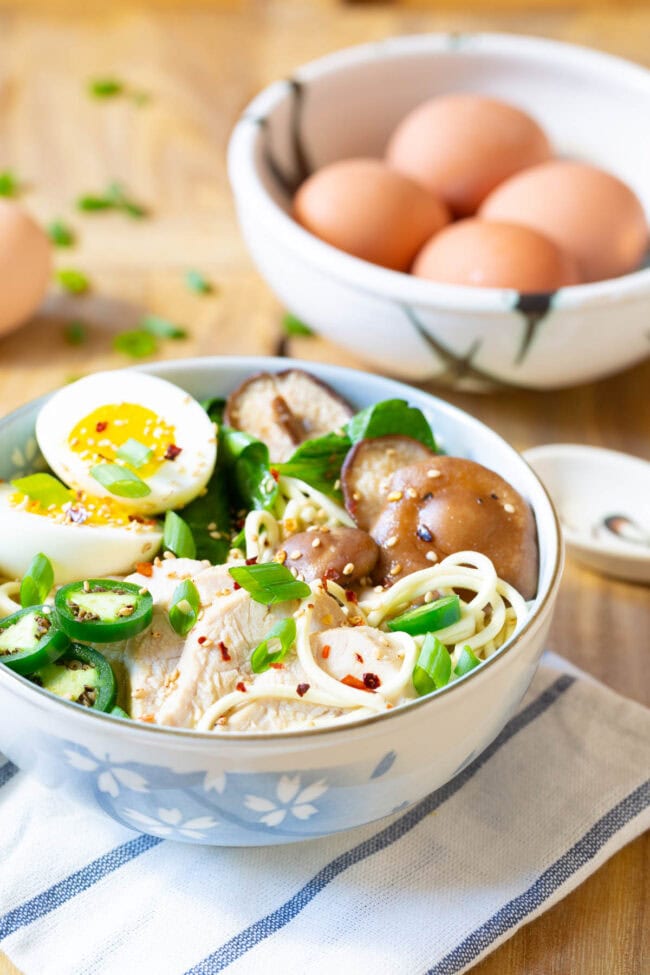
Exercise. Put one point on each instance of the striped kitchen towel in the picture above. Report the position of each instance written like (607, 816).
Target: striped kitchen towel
(432, 889)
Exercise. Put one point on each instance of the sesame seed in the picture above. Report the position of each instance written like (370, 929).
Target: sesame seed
(143, 591)
(316, 543)
(378, 589)
(411, 492)
(391, 542)
(510, 508)
(396, 569)
(280, 556)
(296, 554)
(428, 597)
(434, 473)
(394, 496)
(431, 557)
(356, 496)
(337, 484)
(86, 586)
(348, 569)
(212, 526)
(168, 555)
(294, 572)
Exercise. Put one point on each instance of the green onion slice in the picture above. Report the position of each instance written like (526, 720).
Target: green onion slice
(162, 328)
(134, 453)
(466, 662)
(37, 581)
(76, 282)
(177, 537)
(433, 667)
(120, 481)
(429, 617)
(197, 282)
(293, 326)
(61, 234)
(269, 583)
(44, 488)
(135, 343)
(275, 646)
(184, 609)
(105, 87)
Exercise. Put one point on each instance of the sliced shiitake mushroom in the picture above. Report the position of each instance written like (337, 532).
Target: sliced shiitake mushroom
(342, 554)
(284, 409)
(367, 471)
(434, 508)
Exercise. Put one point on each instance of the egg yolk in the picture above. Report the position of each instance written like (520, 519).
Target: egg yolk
(82, 509)
(98, 437)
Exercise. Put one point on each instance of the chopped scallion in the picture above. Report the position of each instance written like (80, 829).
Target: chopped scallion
(134, 453)
(433, 667)
(177, 537)
(120, 481)
(269, 583)
(275, 646)
(293, 326)
(466, 662)
(429, 617)
(9, 183)
(76, 282)
(135, 343)
(162, 328)
(61, 234)
(44, 488)
(105, 87)
(184, 608)
(37, 581)
(197, 282)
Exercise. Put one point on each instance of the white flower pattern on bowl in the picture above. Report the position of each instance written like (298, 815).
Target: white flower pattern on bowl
(109, 777)
(290, 798)
(170, 824)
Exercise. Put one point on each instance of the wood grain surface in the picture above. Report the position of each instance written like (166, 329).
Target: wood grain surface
(201, 64)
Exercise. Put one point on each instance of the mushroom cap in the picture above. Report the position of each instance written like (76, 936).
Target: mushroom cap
(454, 505)
(284, 409)
(343, 554)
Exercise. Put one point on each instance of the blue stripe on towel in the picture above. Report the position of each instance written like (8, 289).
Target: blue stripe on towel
(74, 884)
(268, 925)
(7, 772)
(557, 874)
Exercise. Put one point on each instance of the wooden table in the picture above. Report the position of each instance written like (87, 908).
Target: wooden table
(201, 66)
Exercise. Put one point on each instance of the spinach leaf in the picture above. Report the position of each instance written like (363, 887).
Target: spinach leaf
(211, 509)
(214, 408)
(247, 462)
(392, 416)
(318, 462)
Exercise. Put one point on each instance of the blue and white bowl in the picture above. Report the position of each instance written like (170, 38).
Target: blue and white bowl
(263, 789)
(347, 104)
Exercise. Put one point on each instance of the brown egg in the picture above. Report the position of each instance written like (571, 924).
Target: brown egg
(462, 146)
(365, 208)
(589, 213)
(25, 266)
(495, 255)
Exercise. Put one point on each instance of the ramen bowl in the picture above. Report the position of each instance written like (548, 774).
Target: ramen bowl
(346, 105)
(253, 789)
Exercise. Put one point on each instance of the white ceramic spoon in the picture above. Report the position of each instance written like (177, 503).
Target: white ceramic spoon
(602, 498)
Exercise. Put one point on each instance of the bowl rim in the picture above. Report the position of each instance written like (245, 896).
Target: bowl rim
(542, 600)
(250, 193)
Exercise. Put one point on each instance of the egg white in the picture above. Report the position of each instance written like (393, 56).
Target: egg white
(75, 551)
(176, 482)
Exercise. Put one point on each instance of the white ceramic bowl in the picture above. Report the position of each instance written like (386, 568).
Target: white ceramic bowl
(251, 790)
(347, 104)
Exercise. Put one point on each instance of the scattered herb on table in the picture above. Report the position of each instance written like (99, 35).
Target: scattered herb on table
(136, 343)
(61, 234)
(197, 282)
(293, 326)
(72, 280)
(9, 183)
(116, 197)
(75, 332)
(105, 87)
(162, 328)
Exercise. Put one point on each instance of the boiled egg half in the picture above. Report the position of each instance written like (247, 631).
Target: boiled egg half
(130, 437)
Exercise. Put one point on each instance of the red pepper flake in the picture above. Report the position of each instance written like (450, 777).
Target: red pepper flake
(240, 687)
(353, 681)
(202, 640)
(101, 426)
(371, 681)
(252, 561)
(330, 573)
(145, 569)
(224, 652)
(277, 666)
(359, 657)
(236, 586)
(325, 652)
(172, 451)
(302, 689)
(351, 596)
(275, 474)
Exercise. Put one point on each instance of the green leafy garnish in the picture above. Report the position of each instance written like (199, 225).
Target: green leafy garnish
(429, 617)
(105, 87)
(115, 198)
(433, 667)
(392, 416)
(61, 234)
(9, 183)
(92, 202)
(197, 282)
(293, 326)
(162, 328)
(215, 408)
(37, 581)
(466, 662)
(184, 608)
(134, 453)
(44, 488)
(247, 461)
(275, 646)
(120, 481)
(208, 518)
(269, 583)
(177, 537)
(75, 332)
(76, 282)
(135, 343)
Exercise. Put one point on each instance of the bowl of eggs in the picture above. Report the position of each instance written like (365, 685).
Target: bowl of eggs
(465, 208)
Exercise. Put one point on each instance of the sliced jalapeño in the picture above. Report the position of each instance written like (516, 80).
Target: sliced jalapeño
(103, 610)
